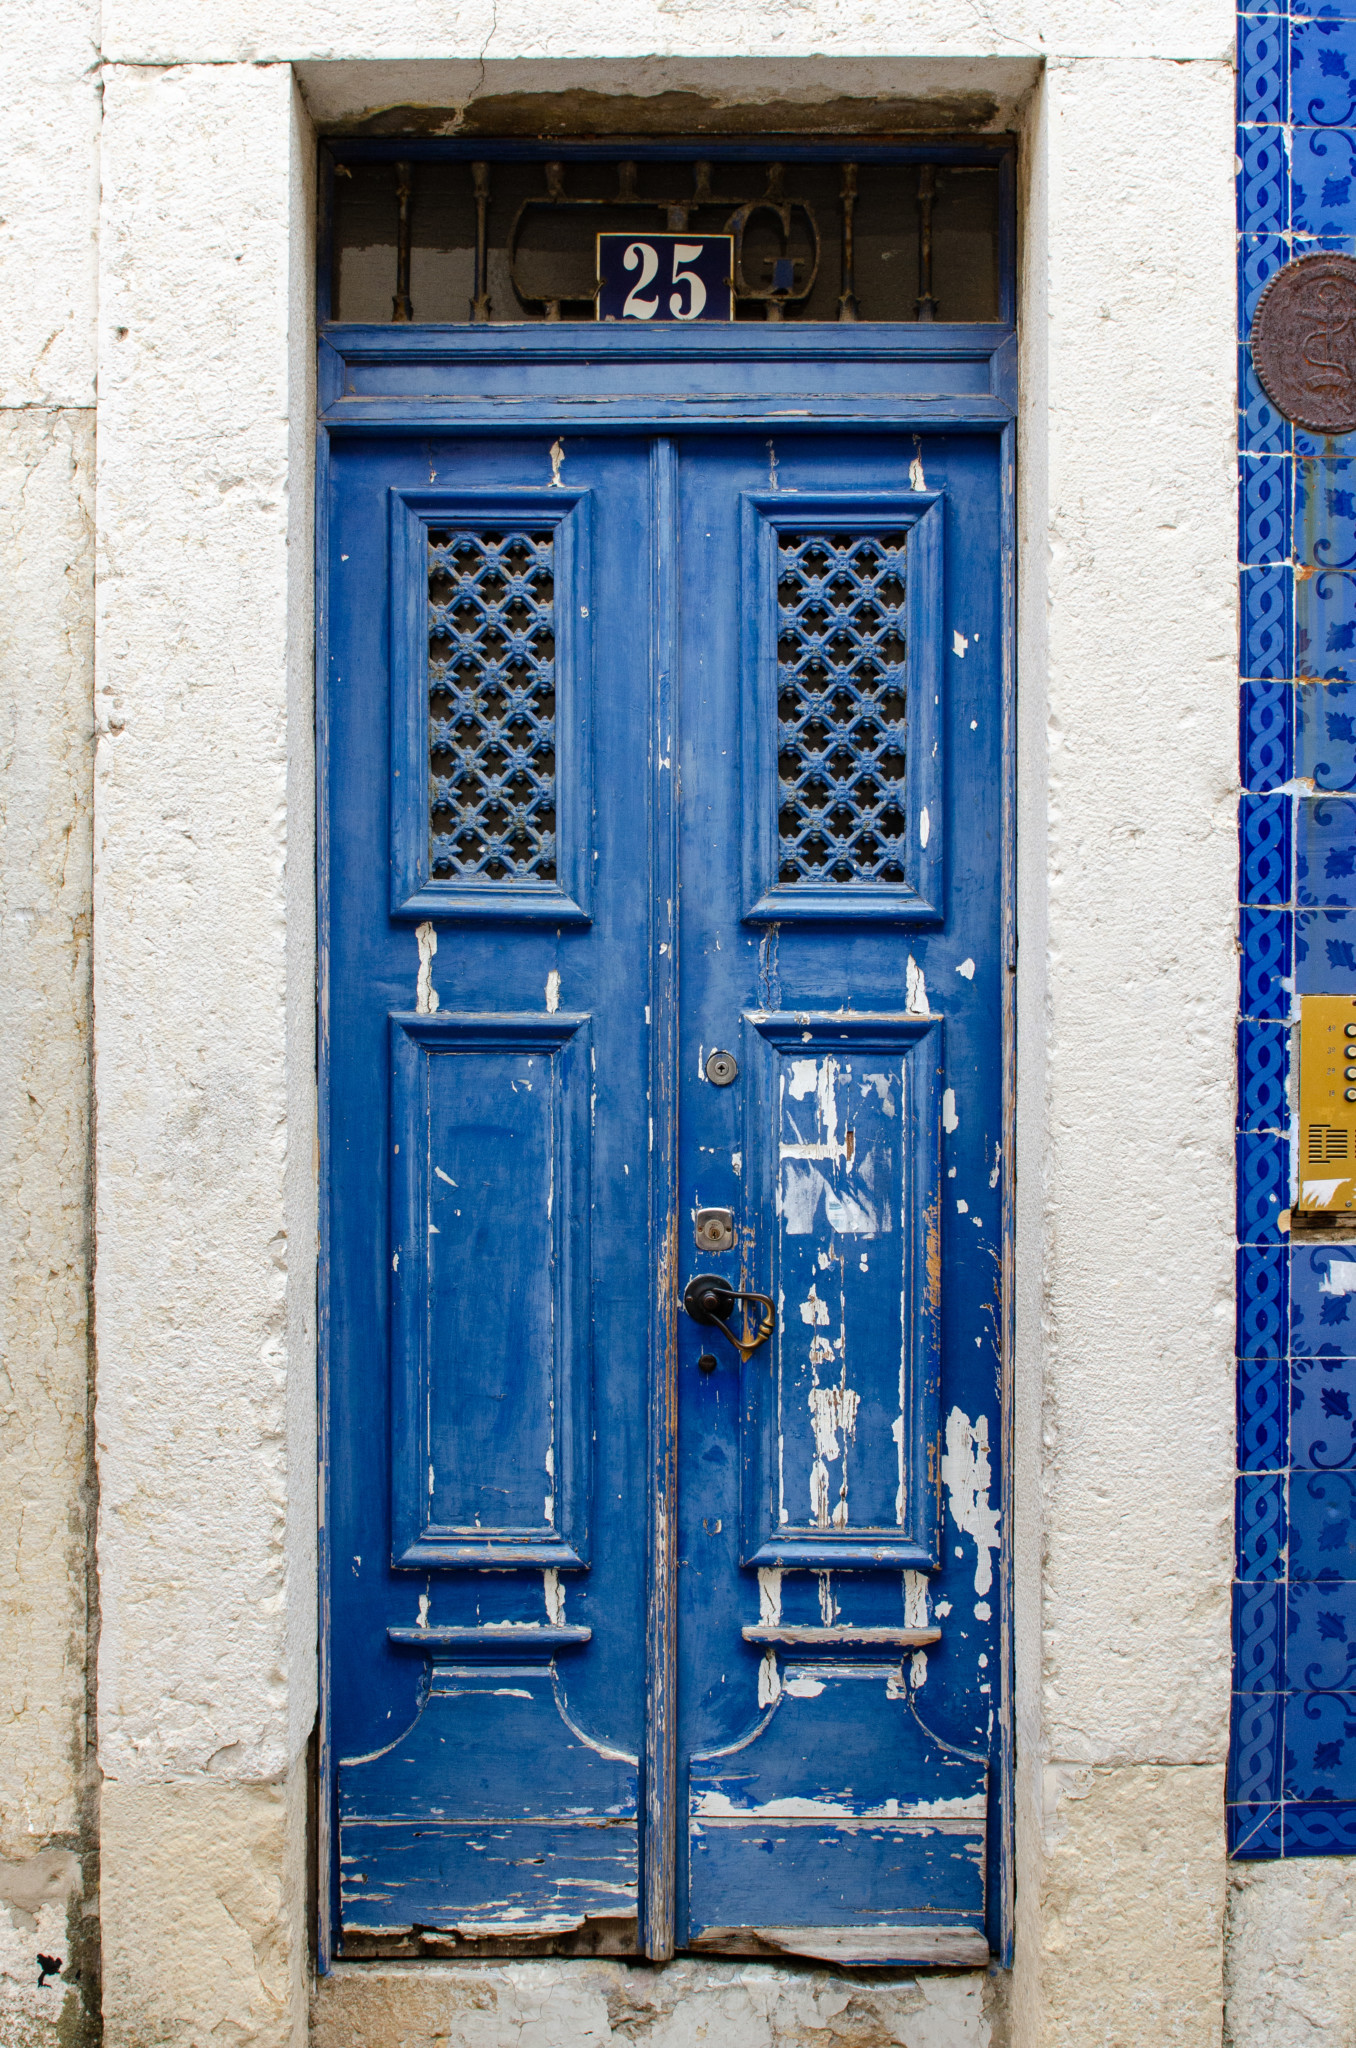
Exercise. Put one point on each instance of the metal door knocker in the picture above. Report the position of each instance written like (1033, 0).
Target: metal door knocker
(709, 1300)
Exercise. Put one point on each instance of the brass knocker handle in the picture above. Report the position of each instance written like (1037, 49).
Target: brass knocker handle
(709, 1300)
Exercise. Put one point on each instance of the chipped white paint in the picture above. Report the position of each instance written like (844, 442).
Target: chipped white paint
(916, 990)
(769, 1681)
(959, 643)
(554, 1594)
(924, 826)
(967, 968)
(1339, 1275)
(557, 462)
(917, 481)
(832, 1410)
(769, 1595)
(950, 1120)
(967, 1476)
(709, 1805)
(426, 995)
(1320, 1194)
(553, 992)
(800, 1688)
(915, 1588)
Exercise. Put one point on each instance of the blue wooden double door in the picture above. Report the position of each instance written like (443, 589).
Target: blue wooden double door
(665, 1168)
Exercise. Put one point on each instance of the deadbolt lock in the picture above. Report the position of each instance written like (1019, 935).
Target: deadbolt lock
(721, 1068)
(715, 1230)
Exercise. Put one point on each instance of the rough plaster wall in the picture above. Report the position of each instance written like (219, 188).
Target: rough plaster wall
(1291, 1976)
(1128, 875)
(596, 2004)
(205, 1055)
(48, 202)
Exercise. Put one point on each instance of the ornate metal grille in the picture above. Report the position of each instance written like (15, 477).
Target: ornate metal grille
(492, 706)
(841, 707)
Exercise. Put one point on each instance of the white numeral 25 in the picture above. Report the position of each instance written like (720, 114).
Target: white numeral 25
(646, 256)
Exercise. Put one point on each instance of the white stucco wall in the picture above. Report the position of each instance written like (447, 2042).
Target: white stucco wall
(204, 997)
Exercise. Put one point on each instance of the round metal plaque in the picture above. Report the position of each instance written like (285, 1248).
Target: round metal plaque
(1304, 342)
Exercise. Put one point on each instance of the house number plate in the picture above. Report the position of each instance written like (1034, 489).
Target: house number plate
(666, 277)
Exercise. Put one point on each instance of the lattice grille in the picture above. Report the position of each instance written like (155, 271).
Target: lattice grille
(841, 707)
(492, 706)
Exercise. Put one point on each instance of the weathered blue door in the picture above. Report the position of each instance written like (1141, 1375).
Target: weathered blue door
(664, 945)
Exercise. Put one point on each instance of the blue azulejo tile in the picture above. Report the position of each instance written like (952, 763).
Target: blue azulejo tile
(1261, 429)
(1320, 1745)
(1254, 1832)
(1259, 1636)
(1260, 1525)
(1325, 512)
(1325, 851)
(1262, 84)
(1264, 485)
(1263, 188)
(1320, 1638)
(1266, 965)
(1264, 850)
(1324, 728)
(1325, 953)
(1263, 1395)
(1322, 1526)
(1263, 1301)
(1323, 1301)
(1257, 1733)
(1263, 1076)
(1267, 603)
(1263, 1186)
(1322, 74)
(1259, 258)
(1266, 716)
(1325, 625)
(1322, 182)
(1323, 1415)
(1328, 1830)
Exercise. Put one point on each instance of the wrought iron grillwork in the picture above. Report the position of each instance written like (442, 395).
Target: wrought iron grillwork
(492, 706)
(831, 238)
(841, 708)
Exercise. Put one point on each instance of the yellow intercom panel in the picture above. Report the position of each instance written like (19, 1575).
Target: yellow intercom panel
(1327, 1104)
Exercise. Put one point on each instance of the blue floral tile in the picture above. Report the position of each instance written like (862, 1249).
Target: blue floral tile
(1259, 1636)
(1320, 1639)
(1264, 485)
(1323, 1301)
(1320, 1746)
(1325, 512)
(1319, 1830)
(1263, 1076)
(1263, 188)
(1325, 953)
(1324, 733)
(1266, 962)
(1265, 850)
(1267, 602)
(1263, 1402)
(1322, 1527)
(1254, 1832)
(1325, 851)
(1263, 1300)
(1262, 83)
(1263, 1186)
(1323, 1412)
(1257, 1727)
(1322, 74)
(1325, 625)
(1332, 447)
(1261, 429)
(1260, 1525)
(1322, 182)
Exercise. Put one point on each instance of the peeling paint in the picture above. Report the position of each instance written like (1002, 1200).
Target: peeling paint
(425, 994)
(967, 1477)
(916, 999)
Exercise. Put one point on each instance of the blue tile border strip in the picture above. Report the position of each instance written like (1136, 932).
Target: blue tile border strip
(1291, 1788)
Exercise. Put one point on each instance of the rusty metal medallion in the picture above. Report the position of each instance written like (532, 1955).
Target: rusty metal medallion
(1304, 342)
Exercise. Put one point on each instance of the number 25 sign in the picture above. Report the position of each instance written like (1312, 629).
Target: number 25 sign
(665, 277)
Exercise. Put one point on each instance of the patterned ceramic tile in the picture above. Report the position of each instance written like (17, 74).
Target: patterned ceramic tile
(1323, 1301)
(1324, 733)
(1322, 1527)
(1322, 1414)
(1320, 1746)
(1263, 196)
(1325, 625)
(1254, 1832)
(1265, 735)
(1261, 429)
(1264, 845)
(1263, 1186)
(1263, 1399)
(1256, 1748)
(1266, 962)
(1264, 488)
(1325, 850)
(1262, 84)
(1325, 512)
(1263, 1076)
(1319, 1830)
(1260, 1525)
(1263, 1301)
(1320, 1639)
(1322, 74)
(1322, 183)
(1325, 953)
(1260, 1636)
(1267, 600)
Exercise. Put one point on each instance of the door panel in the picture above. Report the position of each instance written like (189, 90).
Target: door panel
(530, 1735)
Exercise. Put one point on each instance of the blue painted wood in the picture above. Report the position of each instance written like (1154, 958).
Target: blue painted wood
(548, 1320)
